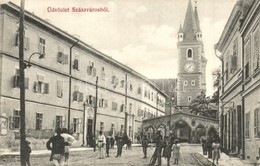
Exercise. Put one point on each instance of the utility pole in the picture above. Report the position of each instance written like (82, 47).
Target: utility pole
(22, 87)
(95, 113)
(84, 121)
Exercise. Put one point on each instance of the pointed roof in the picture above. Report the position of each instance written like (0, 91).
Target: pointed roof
(190, 26)
(197, 17)
(180, 29)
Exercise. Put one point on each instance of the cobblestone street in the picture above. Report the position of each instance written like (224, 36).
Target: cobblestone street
(134, 157)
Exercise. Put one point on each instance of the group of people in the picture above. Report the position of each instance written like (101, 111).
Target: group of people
(106, 142)
(168, 147)
(211, 147)
(164, 148)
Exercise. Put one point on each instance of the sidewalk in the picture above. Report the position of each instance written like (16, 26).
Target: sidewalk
(225, 160)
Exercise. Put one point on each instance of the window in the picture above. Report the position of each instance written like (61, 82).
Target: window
(130, 131)
(185, 83)
(101, 126)
(192, 82)
(62, 58)
(145, 92)
(40, 86)
(103, 75)
(247, 125)
(226, 72)
(233, 64)
(140, 112)
(247, 55)
(189, 98)
(102, 103)
(77, 96)
(15, 120)
(42, 45)
(76, 64)
(139, 90)
(131, 87)
(122, 83)
(91, 70)
(256, 122)
(91, 100)
(255, 58)
(60, 122)
(76, 125)
(16, 80)
(114, 106)
(39, 119)
(26, 41)
(59, 89)
(152, 96)
(130, 107)
(189, 53)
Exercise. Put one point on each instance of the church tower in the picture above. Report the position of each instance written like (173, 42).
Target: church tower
(191, 60)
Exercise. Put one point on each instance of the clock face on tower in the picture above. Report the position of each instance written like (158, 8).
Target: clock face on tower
(189, 67)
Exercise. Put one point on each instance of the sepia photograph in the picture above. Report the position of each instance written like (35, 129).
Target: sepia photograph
(129, 82)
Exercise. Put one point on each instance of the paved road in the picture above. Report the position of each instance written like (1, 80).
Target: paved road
(134, 157)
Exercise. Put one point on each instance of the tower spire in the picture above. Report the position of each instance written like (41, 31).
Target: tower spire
(191, 23)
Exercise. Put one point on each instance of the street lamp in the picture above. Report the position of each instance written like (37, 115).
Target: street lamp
(42, 55)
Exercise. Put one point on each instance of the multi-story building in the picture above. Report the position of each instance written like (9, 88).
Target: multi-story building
(191, 59)
(230, 44)
(240, 85)
(63, 88)
(250, 32)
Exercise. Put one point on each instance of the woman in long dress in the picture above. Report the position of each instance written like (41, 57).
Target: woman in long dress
(176, 151)
(216, 151)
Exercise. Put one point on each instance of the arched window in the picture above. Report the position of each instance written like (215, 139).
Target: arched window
(189, 53)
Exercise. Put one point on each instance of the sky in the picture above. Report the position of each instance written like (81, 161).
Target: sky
(141, 34)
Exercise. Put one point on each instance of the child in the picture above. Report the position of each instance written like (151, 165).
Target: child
(27, 152)
(176, 151)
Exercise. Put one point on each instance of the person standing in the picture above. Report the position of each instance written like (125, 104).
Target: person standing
(101, 142)
(167, 150)
(216, 151)
(120, 144)
(209, 147)
(145, 143)
(176, 151)
(107, 146)
(69, 140)
(57, 145)
(203, 141)
(27, 152)
(158, 150)
(112, 141)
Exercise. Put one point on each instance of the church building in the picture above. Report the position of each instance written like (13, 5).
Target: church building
(191, 60)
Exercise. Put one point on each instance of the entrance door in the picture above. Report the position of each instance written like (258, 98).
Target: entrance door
(90, 127)
(90, 139)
